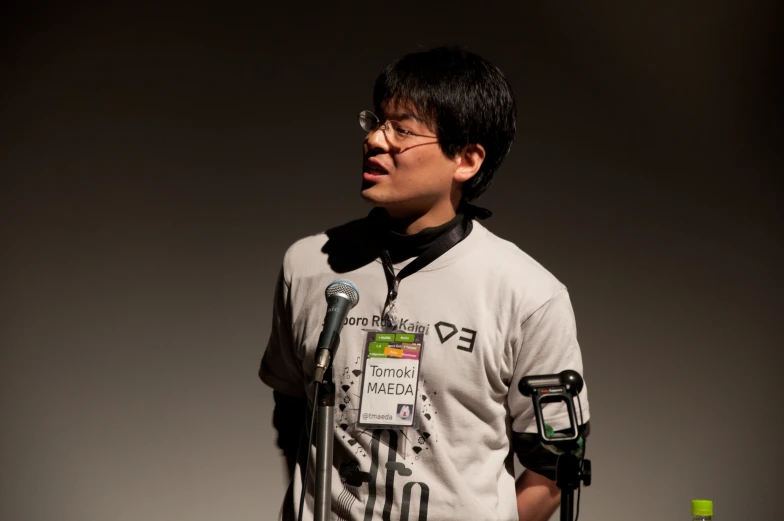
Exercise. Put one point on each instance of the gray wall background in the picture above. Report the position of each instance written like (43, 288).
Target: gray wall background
(157, 160)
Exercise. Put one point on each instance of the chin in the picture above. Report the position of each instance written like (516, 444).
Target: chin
(374, 197)
(395, 209)
(381, 198)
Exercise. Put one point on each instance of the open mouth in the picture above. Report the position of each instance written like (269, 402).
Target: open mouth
(374, 168)
(375, 171)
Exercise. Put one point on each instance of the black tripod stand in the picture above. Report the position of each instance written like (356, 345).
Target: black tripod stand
(572, 467)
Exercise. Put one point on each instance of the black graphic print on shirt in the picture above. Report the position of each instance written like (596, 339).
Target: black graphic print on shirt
(400, 449)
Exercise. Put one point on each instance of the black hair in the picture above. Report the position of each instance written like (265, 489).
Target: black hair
(463, 97)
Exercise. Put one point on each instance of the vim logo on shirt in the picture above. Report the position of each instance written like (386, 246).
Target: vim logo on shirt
(445, 331)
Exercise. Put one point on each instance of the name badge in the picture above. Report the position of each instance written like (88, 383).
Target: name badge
(390, 379)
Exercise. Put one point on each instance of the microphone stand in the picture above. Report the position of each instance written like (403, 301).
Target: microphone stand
(341, 296)
(568, 477)
(325, 438)
(571, 470)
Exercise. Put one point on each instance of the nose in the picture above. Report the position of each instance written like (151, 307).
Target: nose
(376, 139)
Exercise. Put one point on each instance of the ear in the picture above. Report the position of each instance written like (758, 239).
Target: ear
(469, 160)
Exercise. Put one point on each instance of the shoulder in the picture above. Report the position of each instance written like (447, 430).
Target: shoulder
(503, 264)
(302, 252)
(340, 249)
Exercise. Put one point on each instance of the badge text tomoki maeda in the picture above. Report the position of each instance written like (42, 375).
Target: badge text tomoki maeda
(389, 384)
(391, 380)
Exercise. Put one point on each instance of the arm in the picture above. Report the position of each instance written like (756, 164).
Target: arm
(537, 497)
(537, 494)
(548, 345)
(281, 369)
(288, 419)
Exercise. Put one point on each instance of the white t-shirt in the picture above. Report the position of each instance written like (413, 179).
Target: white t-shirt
(490, 315)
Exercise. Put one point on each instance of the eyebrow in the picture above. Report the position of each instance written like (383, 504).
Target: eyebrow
(400, 116)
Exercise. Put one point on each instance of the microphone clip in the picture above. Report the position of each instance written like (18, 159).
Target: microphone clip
(324, 360)
(554, 388)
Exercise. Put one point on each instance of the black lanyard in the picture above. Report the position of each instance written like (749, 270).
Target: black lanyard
(440, 246)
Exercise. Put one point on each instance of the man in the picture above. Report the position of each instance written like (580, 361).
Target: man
(450, 318)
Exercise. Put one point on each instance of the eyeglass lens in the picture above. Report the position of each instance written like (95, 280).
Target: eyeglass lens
(368, 121)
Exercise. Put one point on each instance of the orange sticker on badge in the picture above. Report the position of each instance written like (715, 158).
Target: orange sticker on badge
(394, 353)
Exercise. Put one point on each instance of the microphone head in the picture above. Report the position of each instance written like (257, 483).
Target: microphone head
(345, 289)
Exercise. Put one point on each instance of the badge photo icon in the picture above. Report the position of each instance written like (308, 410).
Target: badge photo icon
(404, 411)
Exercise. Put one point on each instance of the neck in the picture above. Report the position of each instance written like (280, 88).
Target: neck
(410, 223)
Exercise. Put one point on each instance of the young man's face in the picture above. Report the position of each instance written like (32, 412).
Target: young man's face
(410, 177)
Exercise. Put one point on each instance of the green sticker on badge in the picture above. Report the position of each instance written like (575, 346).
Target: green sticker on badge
(404, 337)
(376, 349)
(385, 337)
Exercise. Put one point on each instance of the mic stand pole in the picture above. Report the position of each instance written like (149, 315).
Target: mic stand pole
(568, 477)
(325, 437)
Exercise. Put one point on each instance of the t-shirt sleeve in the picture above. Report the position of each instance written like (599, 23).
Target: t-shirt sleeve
(547, 344)
(280, 367)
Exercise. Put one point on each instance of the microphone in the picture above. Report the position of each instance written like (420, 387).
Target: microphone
(341, 296)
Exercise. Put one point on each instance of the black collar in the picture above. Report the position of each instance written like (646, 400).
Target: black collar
(401, 246)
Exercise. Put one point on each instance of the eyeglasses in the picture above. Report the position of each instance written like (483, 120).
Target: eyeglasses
(395, 132)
